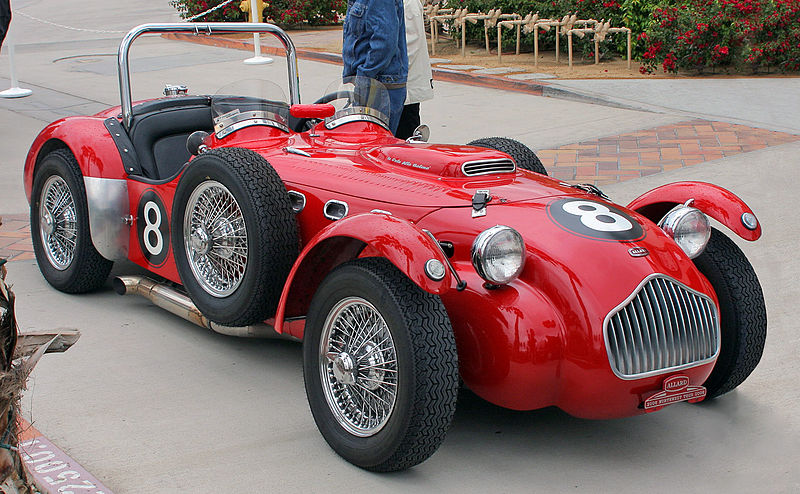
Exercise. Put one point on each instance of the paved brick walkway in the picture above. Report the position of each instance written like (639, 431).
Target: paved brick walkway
(601, 161)
(15, 238)
(645, 152)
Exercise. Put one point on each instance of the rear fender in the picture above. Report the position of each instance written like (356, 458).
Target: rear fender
(86, 138)
(103, 175)
(721, 204)
(401, 242)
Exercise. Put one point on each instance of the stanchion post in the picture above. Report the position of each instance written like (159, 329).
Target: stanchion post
(256, 15)
(14, 91)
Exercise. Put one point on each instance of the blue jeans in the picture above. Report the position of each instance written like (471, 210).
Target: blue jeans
(397, 97)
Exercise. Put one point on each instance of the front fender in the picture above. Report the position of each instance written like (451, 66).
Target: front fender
(717, 202)
(403, 243)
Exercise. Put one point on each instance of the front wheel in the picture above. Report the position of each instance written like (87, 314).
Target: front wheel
(380, 366)
(743, 313)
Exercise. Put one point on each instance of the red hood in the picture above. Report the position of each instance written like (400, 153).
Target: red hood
(423, 175)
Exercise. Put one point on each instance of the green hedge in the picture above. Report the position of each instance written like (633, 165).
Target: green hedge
(286, 13)
(746, 35)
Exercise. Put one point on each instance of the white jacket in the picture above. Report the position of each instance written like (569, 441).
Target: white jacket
(419, 86)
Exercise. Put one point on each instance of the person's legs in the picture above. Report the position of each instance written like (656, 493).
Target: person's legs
(397, 97)
(5, 19)
(409, 121)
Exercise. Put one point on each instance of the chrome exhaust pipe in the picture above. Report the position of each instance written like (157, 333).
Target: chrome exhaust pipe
(175, 302)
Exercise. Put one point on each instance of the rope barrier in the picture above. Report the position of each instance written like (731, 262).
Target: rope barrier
(212, 9)
(101, 31)
(62, 26)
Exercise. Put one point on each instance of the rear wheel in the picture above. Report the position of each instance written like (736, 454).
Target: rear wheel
(234, 235)
(743, 313)
(522, 154)
(60, 232)
(380, 366)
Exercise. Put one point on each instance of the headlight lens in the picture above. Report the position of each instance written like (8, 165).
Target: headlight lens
(689, 228)
(498, 254)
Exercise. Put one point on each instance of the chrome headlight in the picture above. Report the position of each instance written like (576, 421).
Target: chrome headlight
(498, 254)
(689, 227)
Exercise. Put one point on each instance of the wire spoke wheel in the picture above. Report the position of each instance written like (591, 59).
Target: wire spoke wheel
(380, 366)
(58, 222)
(358, 367)
(215, 238)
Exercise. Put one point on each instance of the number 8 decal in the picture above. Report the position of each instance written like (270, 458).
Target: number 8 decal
(152, 228)
(594, 219)
(594, 215)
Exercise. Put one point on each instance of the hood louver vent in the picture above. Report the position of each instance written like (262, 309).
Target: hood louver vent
(487, 167)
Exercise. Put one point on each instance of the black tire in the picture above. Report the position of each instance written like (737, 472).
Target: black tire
(743, 313)
(426, 366)
(522, 154)
(264, 212)
(82, 269)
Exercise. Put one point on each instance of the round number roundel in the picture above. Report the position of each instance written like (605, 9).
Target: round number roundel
(594, 219)
(153, 228)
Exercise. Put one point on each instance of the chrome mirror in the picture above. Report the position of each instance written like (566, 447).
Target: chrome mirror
(421, 134)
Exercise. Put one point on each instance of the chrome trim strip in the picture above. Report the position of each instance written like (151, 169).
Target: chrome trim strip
(231, 122)
(247, 123)
(123, 65)
(490, 167)
(662, 327)
(107, 202)
(356, 114)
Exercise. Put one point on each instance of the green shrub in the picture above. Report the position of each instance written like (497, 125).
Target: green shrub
(744, 34)
(285, 13)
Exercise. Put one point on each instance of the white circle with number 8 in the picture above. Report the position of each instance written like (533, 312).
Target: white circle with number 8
(152, 226)
(597, 216)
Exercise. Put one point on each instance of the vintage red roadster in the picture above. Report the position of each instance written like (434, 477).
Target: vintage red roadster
(407, 269)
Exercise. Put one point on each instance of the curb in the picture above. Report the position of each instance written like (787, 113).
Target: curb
(51, 469)
(552, 91)
(446, 75)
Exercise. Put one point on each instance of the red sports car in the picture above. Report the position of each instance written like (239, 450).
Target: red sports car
(406, 268)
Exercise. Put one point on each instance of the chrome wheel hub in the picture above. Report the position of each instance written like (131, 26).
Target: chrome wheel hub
(58, 228)
(48, 223)
(215, 238)
(358, 367)
(343, 367)
(200, 241)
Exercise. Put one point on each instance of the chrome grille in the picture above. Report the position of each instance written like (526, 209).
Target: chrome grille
(485, 167)
(663, 326)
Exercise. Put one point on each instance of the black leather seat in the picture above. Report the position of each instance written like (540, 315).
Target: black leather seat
(159, 130)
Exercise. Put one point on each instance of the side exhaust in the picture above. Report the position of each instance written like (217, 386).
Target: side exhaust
(166, 297)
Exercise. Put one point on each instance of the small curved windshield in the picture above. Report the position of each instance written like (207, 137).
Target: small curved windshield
(249, 102)
(357, 99)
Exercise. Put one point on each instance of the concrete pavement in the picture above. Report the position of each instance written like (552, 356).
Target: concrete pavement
(150, 403)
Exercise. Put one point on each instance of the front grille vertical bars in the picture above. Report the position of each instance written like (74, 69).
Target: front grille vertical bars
(662, 326)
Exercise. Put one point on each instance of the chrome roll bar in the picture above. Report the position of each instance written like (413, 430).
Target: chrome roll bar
(123, 67)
